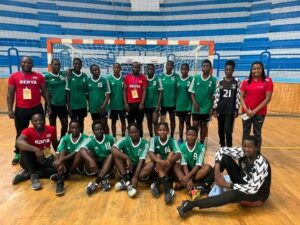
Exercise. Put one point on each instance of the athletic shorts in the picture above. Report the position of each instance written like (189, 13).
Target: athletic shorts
(183, 113)
(79, 113)
(149, 110)
(164, 110)
(117, 114)
(201, 117)
(59, 111)
(99, 116)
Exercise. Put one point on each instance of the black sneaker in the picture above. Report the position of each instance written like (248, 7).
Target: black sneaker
(35, 183)
(169, 196)
(22, 175)
(90, 188)
(184, 209)
(155, 188)
(105, 185)
(54, 177)
(60, 188)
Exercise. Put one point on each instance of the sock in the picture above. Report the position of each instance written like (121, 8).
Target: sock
(202, 142)
(181, 136)
(209, 179)
(126, 177)
(166, 184)
(98, 180)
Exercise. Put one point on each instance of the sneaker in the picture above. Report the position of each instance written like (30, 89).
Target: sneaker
(22, 175)
(54, 177)
(16, 159)
(195, 194)
(169, 196)
(60, 188)
(35, 183)
(105, 185)
(131, 190)
(90, 188)
(203, 189)
(120, 185)
(184, 209)
(81, 172)
(155, 189)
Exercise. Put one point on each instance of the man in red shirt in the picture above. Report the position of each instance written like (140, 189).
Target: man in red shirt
(27, 87)
(134, 93)
(36, 156)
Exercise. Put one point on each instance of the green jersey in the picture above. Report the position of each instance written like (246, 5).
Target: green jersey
(183, 98)
(100, 148)
(163, 149)
(192, 157)
(68, 145)
(77, 85)
(97, 89)
(169, 90)
(204, 91)
(116, 92)
(56, 88)
(153, 87)
(134, 152)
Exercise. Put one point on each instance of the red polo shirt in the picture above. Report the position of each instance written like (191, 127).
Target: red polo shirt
(135, 86)
(31, 82)
(42, 140)
(255, 93)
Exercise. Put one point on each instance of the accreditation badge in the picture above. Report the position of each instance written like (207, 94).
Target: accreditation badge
(47, 152)
(27, 94)
(134, 94)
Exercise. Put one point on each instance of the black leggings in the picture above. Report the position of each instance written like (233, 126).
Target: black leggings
(136, 115)
(232, 196)
(257, 121)
(43, 170)
(225, 129)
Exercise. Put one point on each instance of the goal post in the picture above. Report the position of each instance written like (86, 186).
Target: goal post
(105, 52)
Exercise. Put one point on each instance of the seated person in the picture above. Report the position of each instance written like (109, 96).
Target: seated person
(163, 152)
(129, 155)
(68, 158)
(191, 170)
(251, 178)
(96, 152)
(36, 157)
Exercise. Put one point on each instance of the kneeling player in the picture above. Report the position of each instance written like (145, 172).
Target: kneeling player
(192, 169)
(96, 151)
(69, 157)
(129, 155)
(163, 152)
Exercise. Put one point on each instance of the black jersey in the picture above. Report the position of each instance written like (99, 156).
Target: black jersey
(227, 97)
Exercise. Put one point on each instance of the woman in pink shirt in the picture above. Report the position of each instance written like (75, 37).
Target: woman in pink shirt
(256, 93)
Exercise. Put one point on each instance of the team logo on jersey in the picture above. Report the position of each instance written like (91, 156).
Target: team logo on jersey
(154, 83)
(48, 135)
(172, 78)
(221, 87)
(140, 81)
(34, 77)
(198, 83)
(233, 86)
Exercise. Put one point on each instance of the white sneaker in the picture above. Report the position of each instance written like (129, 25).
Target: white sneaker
(131, 191)
(120, 185)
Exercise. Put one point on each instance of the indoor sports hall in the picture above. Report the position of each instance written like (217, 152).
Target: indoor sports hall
(105, 32)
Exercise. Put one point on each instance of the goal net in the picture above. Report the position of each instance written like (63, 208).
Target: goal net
(106, 52)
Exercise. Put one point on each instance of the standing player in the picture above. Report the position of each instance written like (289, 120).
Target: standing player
(256, 93)
(169, 95)
(98, 95)
(192, 169)
(226, 104)
(69, 157)
(116, 103)
(27, 87)
(251, 178)
(202, 90)
(183, 100)
(134, 93)
(36, 156)
(163, 152)
(153, 98)
(56, 83)
(77, 93)
(129, 156)
(96, 151)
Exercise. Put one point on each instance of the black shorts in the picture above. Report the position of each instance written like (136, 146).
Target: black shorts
(99, 116)
(183, 113)
(116, 114)
(59, 111)
(201, 117)
(164, 110)
(149, 110)
(79, 113)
